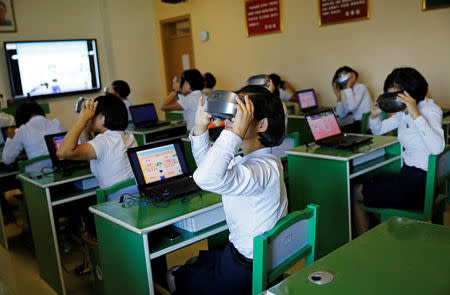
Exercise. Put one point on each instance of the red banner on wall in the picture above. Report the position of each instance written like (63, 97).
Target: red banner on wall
(334, 11)
(262, 16)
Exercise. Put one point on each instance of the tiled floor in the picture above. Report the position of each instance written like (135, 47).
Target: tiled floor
(19, 272)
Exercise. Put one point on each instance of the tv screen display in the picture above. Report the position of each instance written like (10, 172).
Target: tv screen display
(52, 68)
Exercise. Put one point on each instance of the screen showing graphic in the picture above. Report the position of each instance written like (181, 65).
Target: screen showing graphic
(307, 99)
(57, 142)
(42, 68)
(323, 125)
(144, 113)
(159, 163)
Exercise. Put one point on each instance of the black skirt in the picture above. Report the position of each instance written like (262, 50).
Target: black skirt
(215, 272)
(398, 191)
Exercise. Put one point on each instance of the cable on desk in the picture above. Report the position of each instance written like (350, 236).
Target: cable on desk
(133, 199)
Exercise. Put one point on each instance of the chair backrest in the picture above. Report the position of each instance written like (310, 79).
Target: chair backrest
(288, 242)
(35, 164)
(114, 191)
(290, 141)
(438, 175)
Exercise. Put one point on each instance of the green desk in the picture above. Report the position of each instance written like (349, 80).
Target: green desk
(298, 123)
(125, 239)
(158, 134)
(42, 193)
(323, 177)
(400, 256)
(174, 116)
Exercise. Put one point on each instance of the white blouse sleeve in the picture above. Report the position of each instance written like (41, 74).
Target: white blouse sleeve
(13, 147)
(379, 127)
(429, 126)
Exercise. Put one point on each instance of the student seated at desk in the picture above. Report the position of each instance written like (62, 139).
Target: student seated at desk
(32, 127)
(281, 88)
(121, 89)
(107, 152)
(252, 188)
(357, 98)
(210, 82)
(419, 132)
(190, 85)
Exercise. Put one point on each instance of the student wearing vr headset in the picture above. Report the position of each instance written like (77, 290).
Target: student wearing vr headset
(252, 188)
(352, 98)
(420, 133)
(190, 85)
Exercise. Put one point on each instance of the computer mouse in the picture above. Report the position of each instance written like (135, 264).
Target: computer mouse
(388, 102)
(221, 104)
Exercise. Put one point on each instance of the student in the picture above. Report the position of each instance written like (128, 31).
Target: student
(282, 88)
(190, 85)
(107, 152)
(210, 82)
(420, 134)
(357, 98)
(252, 188)
(32, 127)
(121, 89)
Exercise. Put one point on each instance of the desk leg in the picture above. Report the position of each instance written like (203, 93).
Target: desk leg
(125, 259)
(42, 222)
(3, 237)
(323, 182)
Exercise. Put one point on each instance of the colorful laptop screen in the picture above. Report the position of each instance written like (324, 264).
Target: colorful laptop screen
(307, 99)
(323, 125)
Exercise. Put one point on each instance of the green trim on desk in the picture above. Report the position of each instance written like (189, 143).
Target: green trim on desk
(56, 177)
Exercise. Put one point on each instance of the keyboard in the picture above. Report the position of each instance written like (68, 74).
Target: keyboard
(172, 189)
(344, 141)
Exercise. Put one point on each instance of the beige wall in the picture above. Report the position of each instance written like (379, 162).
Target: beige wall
(124, 31)
(397, 34)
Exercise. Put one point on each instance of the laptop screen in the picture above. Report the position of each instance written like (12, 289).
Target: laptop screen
(323, 125)
(306, 99)
(53, 142)
(153, 163)
(143, 113)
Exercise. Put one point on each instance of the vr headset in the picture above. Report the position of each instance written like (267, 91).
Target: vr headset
(221, 104)
(341, 81)
(258, 80)
(388, 102)
(79, 104)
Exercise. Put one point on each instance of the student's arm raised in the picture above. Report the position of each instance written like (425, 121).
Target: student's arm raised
(69, 148)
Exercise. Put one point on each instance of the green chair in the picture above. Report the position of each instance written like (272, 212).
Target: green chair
(435, 192)
(365, 121)
(114, 191)
(34, 164)
(288, 242)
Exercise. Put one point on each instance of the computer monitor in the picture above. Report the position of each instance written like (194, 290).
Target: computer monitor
(307, 99)
(143, 113)
(323, 125)
(53, 142)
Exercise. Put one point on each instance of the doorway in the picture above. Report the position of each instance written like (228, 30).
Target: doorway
(177, 46)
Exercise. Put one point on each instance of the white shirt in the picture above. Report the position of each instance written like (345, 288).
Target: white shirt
(357, 102)
(30, 137)
(285, 95)
(5, 121)
(252, 187)
(112, 165)
(128, 104)
(189, 104)
(420, 137)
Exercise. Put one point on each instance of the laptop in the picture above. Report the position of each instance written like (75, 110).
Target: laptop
(327, 133)
(307, 101)
(145, 116)
(161, 170)
(53, 141)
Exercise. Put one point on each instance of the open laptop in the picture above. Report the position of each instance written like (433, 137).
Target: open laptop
(327, 133)
(161, 170)
(145, 116)
(307, 101)
(53, 141)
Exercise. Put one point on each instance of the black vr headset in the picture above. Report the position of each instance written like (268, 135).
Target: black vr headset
(341, 81)
(388, 102)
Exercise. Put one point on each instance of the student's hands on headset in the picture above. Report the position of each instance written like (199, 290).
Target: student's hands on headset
(411, 104)
(244, 116)
(202, 118)
(375, 111)
(88, 110)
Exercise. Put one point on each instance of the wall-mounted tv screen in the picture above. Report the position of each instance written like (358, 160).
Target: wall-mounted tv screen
(52, 68)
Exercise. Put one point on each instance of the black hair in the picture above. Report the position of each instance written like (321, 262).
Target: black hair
(210, 80)
(408, 79)
(276, 80)
(195, 79)
(121, 87)
(26, 110)
(3, 4)
(114, 111)
(267, 106)
(344, 69)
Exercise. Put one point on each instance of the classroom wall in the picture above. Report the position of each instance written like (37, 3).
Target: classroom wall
(125, 37)
(398, 33)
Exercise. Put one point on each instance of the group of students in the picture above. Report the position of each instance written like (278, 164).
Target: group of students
(252, 185)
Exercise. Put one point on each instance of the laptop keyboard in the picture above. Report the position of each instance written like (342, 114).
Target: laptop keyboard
(172, 189)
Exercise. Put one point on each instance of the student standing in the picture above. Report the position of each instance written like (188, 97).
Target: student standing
(190, 85)
(252, 188)
(420, 133)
